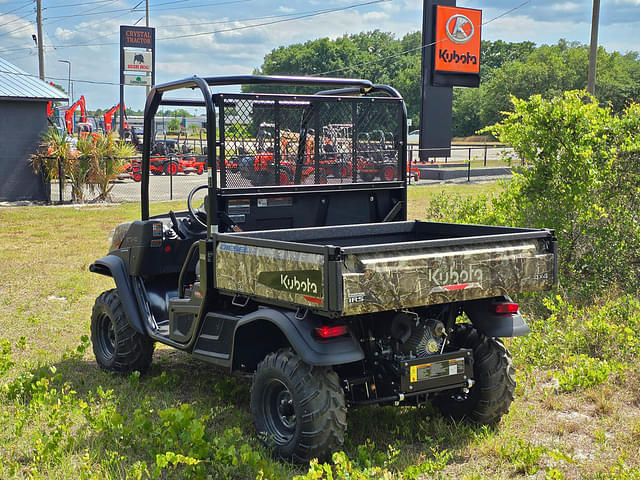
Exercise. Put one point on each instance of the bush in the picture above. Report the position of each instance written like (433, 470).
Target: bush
(581, 178)
(96, 161)
(585, 345)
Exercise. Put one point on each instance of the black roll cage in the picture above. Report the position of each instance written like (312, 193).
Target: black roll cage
(337, 87)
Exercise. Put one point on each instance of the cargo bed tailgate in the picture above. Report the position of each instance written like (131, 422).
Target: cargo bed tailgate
(403, 277)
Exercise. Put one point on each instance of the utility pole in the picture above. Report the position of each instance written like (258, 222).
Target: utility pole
(40, 39)
(593, 49)
(148, 88)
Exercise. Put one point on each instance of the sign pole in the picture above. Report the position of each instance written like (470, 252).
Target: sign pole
(122, 38)
(437, 101)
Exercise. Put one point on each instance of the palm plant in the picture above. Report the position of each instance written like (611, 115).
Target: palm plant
(108, 162)
(54, 152)
(91, 166)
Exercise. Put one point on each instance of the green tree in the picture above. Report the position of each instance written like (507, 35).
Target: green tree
(494, 55)
(507, 68)
(553, 69)
(173, 125)
(376, 56)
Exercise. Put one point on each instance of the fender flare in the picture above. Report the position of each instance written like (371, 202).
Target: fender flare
(337, 351)
(493, 324)
(113, 266)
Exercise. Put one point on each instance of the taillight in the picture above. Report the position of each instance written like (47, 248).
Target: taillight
(331, 332)
(505, 308)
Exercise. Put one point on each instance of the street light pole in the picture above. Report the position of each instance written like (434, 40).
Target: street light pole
(69, 100)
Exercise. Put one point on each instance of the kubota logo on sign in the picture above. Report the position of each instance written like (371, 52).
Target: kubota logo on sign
(457, 47)
(459, 29)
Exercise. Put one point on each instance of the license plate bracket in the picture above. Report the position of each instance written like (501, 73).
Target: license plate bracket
(437, 372)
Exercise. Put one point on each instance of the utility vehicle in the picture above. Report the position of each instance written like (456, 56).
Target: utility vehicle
(325, 292)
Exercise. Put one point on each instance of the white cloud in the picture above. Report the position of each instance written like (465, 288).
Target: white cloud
(64, 35)
(633, 3)
(240, 51)
(567, 7)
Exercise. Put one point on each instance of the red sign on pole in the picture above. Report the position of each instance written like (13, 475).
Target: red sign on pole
(457, 43)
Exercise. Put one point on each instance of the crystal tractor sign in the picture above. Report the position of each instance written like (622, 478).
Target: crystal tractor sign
(137, 60)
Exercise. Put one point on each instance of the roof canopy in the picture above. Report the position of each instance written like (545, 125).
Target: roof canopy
(16, 84)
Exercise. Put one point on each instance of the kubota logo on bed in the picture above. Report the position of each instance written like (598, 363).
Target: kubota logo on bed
(308, 282)
(447, 276)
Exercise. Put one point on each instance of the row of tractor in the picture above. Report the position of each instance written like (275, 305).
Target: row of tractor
(273, 157)
(168, 157)
(294, 162)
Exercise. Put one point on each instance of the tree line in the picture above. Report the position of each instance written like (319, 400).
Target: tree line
(520, 69)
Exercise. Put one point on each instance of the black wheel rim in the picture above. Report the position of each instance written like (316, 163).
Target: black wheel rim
(106, 336)
(279, 412)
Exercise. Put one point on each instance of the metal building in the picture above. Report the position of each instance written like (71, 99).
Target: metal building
(23, 120)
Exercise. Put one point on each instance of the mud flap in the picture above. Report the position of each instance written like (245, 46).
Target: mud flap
(299, 334)
(493, 324)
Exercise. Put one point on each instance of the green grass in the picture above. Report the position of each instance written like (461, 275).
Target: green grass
(63, 418)
(419, 196)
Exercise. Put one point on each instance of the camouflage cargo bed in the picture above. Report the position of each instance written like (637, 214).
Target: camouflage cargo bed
(354, 269)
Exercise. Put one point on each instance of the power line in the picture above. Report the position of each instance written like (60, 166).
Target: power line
(224, 30)
(16, 9)
(23, 27)
(49, 24)
(79, 4)
(97, 82)
(16, 19)
(233, 29)
(130, 9)
(284, 15)
(127, 10)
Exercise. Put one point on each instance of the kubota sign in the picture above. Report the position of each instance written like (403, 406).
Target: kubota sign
(457, 45)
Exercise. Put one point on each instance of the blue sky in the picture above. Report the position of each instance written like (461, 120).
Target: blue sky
(95, 23)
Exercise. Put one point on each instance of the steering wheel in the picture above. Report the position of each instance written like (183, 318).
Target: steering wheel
(196, 213)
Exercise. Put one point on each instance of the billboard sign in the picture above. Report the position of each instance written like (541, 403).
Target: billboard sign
(138, 61)
(138, 37)
(457, 45)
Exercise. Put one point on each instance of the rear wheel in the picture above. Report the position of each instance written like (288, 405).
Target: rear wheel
(298, 409)
(170, 168)
(116, 345)
(491, 396)
(388, 174)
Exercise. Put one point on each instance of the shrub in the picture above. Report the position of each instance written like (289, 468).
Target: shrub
(581, 178)
(96, 161)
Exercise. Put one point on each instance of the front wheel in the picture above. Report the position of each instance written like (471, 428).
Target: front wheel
(298, 409)
(116, 345)
(491, 396)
